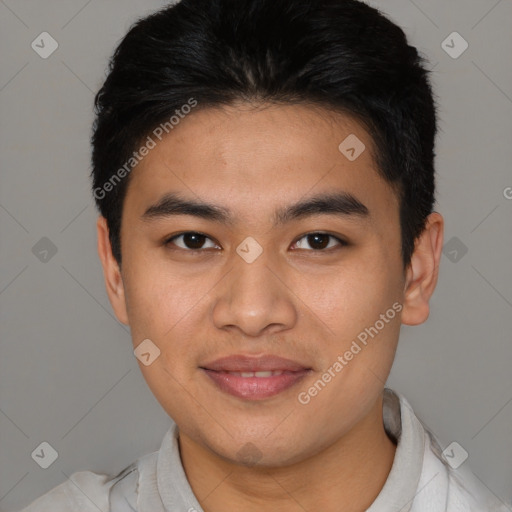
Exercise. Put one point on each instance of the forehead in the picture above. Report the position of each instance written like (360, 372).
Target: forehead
(256, 156)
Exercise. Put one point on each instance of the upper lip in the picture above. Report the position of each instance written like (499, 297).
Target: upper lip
(242, 363)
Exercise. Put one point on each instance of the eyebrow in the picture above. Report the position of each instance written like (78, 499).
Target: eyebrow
(340, 203)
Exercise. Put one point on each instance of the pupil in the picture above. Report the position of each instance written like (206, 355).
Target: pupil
(193, 240)
(312, 239)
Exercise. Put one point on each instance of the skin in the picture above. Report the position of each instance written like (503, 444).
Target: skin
(294, 301)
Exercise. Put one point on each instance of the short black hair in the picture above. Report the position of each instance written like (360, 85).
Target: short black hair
(342, 55)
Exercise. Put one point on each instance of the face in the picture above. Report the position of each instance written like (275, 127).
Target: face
(262, 276)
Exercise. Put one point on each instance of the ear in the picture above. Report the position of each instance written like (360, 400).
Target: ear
(111, 272)
(423, 271)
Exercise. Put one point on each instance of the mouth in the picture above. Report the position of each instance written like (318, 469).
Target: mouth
(255, 378)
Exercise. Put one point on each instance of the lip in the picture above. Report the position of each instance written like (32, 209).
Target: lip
(254, 388)
(289, 374)
(242, 363)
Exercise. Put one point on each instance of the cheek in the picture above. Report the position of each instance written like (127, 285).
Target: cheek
(350, 299)
(358, 309)
(158, 298)
(162, 308)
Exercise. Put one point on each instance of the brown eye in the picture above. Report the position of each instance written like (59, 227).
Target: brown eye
(320, 241)
(190, 240)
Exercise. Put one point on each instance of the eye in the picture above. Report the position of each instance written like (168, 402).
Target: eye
(320, 241)
(191, 241)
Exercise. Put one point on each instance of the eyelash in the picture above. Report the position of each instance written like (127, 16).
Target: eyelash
(168, 241)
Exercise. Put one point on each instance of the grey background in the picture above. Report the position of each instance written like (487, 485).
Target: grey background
(68, 375)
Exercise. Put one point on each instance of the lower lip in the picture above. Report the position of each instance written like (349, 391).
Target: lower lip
(255, 388)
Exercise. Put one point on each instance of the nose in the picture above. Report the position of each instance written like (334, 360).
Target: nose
(254, 298)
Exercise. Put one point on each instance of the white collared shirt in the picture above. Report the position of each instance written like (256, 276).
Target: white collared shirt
(420, 479)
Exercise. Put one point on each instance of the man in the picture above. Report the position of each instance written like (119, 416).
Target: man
(264, 174)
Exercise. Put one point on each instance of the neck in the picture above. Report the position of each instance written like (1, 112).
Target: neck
(348, 475)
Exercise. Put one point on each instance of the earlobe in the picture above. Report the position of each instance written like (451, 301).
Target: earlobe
(423, 271)
(111, 272)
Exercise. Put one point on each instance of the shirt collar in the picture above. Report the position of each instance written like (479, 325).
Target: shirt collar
(402, 425)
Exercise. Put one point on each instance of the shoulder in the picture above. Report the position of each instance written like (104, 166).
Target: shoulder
(468, 493)
(441, 486)
(459, 489)
(84, 491)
